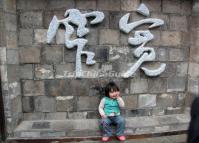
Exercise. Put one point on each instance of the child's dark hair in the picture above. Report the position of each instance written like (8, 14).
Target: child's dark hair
(111, 87)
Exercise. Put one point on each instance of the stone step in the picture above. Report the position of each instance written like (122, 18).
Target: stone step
(88, 129)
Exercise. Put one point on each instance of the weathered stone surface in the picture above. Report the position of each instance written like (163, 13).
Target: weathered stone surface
(182, 69)
(61, 4)
(58, 88)
(86, 4)
(194, 54)
(40, 35)
(153, 5)
(101, 54)
(30, 5)
(66, 70)
(195, 37)
(13, 73)
(129, 5)
(65, 103)
(3, 55)
(12, 56)
(114, 18)
(170, 70)
(34, 116)
(111, 5)
(26, 71)
(166, 100)
(177, 55)
(130, 101)
(28, 104)
(139, 86)
(44, 72)
(56, 116)
(70, 55)
(170, 38)
(77, 115)
(164, 17)
(186, 7)
(44, 104)
(29, 55)
(176, 84)
(106, 37)
(193, 86)
(87, 103)
(147, 100)
(14, 89)
(172, 110)
(173, 6)
(162, 54)
(93, 36)
(31, 19)
(33, 88)
(193, 70)
(157, 85)
(178, 23)
(41, 125)
(11, 39)
(52, 55)
(10, 6)
(10, 22)
(25, 36)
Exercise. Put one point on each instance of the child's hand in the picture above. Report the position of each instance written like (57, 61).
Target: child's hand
(118, 94)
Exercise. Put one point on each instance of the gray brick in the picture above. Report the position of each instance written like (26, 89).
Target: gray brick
(146, 100)
(87, 103)
(162, 54)
(31, 19)
(63, 71)
(153, 5)
(114, 18)
(44, 104)
(177, 55)
(13, 73)
(193, 86)
(93, 37)
(70, 55)
(111, 5)
(52, 55)
(186, 7)
(58, 88)
(44, 72)
(82, 86)
(171, 38)
(16, 105)
(180, 99)
(29, 55)
(130, 102)
(54, 4)
(10, 6)
(173, 6)
(77, 115)
(26, 71)
(157, 85)
(101, 54)
(30, 5)
(33, 88)
(194, 54)
(10, 22)
(40, 36)
(164, 17)
(12, 56)
(65, 103)
(56, 116)
(139, 86)
(182, 69)
(193, 70)
(178, 23)
(34, 116)
(166, 100)
(86, 4)
(176, 84)
(107, 38)
(170, 70)
(11, 40)
(129, 5)
(3, 55)
(25, 36)
(14, 88)
(28, 104)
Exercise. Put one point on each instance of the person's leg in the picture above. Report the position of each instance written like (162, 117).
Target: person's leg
(120, 125)
(106, 127)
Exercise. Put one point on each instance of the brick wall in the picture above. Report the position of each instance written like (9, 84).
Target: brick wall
(48, 92)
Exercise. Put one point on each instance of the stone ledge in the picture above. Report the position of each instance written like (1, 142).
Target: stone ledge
(88, 129)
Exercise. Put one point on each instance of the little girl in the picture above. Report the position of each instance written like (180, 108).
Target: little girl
(109, 109)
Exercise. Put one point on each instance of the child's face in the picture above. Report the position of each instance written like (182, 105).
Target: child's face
(114, 94)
